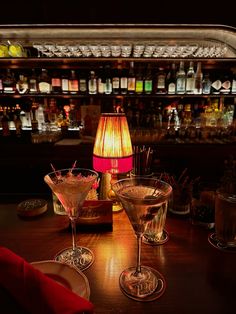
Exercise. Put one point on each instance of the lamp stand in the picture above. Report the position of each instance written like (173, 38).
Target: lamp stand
(106, 193)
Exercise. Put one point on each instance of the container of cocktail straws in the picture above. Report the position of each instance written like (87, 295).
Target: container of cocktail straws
(142, 161)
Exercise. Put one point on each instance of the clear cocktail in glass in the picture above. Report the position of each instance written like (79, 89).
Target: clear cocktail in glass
(71, 186)
(142, 198)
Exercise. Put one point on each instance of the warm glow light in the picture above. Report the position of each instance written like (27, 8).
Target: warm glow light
(112, 148)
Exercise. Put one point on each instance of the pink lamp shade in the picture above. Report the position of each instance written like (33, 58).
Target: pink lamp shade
(112, 150)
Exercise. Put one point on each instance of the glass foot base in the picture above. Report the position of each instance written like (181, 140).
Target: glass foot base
(147, 286)
(81, 258)
(216, 243)
(153, 240)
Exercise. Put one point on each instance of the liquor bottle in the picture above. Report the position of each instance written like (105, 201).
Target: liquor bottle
(34, 121)
(65, 83)
(92, 83)
(187, 115)
(101, 81)
(17, 120)
(116, 80)
(158, 116)
(181, 79)
(40, 116)
(124, 82)
(56, 83)
(73, 122)
(82, 83)
(171, 80)
(22, 85)
(206, 84)
(33, 83)
(9, 83)
(190, 79)
(148, 80)
(180, 110)
(131, 79)
(5, 123)
(53, 110)
(160, 87)
(73, 83)
(108, 82)
(198, 79)
(44, 83)
(139, 82)
(233, 84)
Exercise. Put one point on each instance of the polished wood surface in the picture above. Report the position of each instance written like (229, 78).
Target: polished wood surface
(199, 277)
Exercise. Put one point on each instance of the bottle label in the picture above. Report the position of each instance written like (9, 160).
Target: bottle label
(131, 84)
(190, 83)
(171, 88)
(44, 87)
(83, 85)
(148, 86)
(139, 86)
(92, 86)
(56, 82)
(233, 88)
(180, 85)
(65, 85)
(124, 82)
(116, 82)
(108, 86)
(32, 86)
(161, 82)
(8, 90)
(100, 86)
(73, 86)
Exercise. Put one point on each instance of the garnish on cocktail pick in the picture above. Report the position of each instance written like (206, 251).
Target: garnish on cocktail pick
(53, 168)
(57, 173)
(96, 184)
(74, 165)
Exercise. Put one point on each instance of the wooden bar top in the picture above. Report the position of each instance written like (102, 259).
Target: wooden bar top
(199, 277)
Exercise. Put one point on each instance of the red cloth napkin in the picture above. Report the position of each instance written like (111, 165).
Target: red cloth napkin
(34, 291)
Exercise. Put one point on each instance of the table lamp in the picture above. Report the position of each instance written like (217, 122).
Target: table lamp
(112, 152)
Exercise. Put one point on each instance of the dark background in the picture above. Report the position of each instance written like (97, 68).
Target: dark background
(118, 12)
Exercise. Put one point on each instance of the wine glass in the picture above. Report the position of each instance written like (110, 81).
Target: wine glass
(71, 186)
(141, 198)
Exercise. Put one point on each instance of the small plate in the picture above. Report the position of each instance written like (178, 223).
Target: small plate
(66, 275)
(32, 207)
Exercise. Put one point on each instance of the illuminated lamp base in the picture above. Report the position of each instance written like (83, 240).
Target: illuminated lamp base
(106, 192)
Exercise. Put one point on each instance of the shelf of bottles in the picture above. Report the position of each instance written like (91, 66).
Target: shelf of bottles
(182, 101)
(175, 83)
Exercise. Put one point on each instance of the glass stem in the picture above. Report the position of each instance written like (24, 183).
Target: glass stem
(139, 241)
(73, 228)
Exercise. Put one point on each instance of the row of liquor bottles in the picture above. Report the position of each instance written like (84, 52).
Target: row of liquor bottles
(175, 79)
(75, 114)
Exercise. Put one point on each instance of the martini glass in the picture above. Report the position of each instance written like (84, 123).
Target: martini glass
(141, 198)
(71, 186)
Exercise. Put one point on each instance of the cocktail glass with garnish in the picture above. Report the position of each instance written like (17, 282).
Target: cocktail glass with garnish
(71, 186)
(141, 198)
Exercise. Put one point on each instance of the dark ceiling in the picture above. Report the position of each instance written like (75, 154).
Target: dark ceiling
(118, 12)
